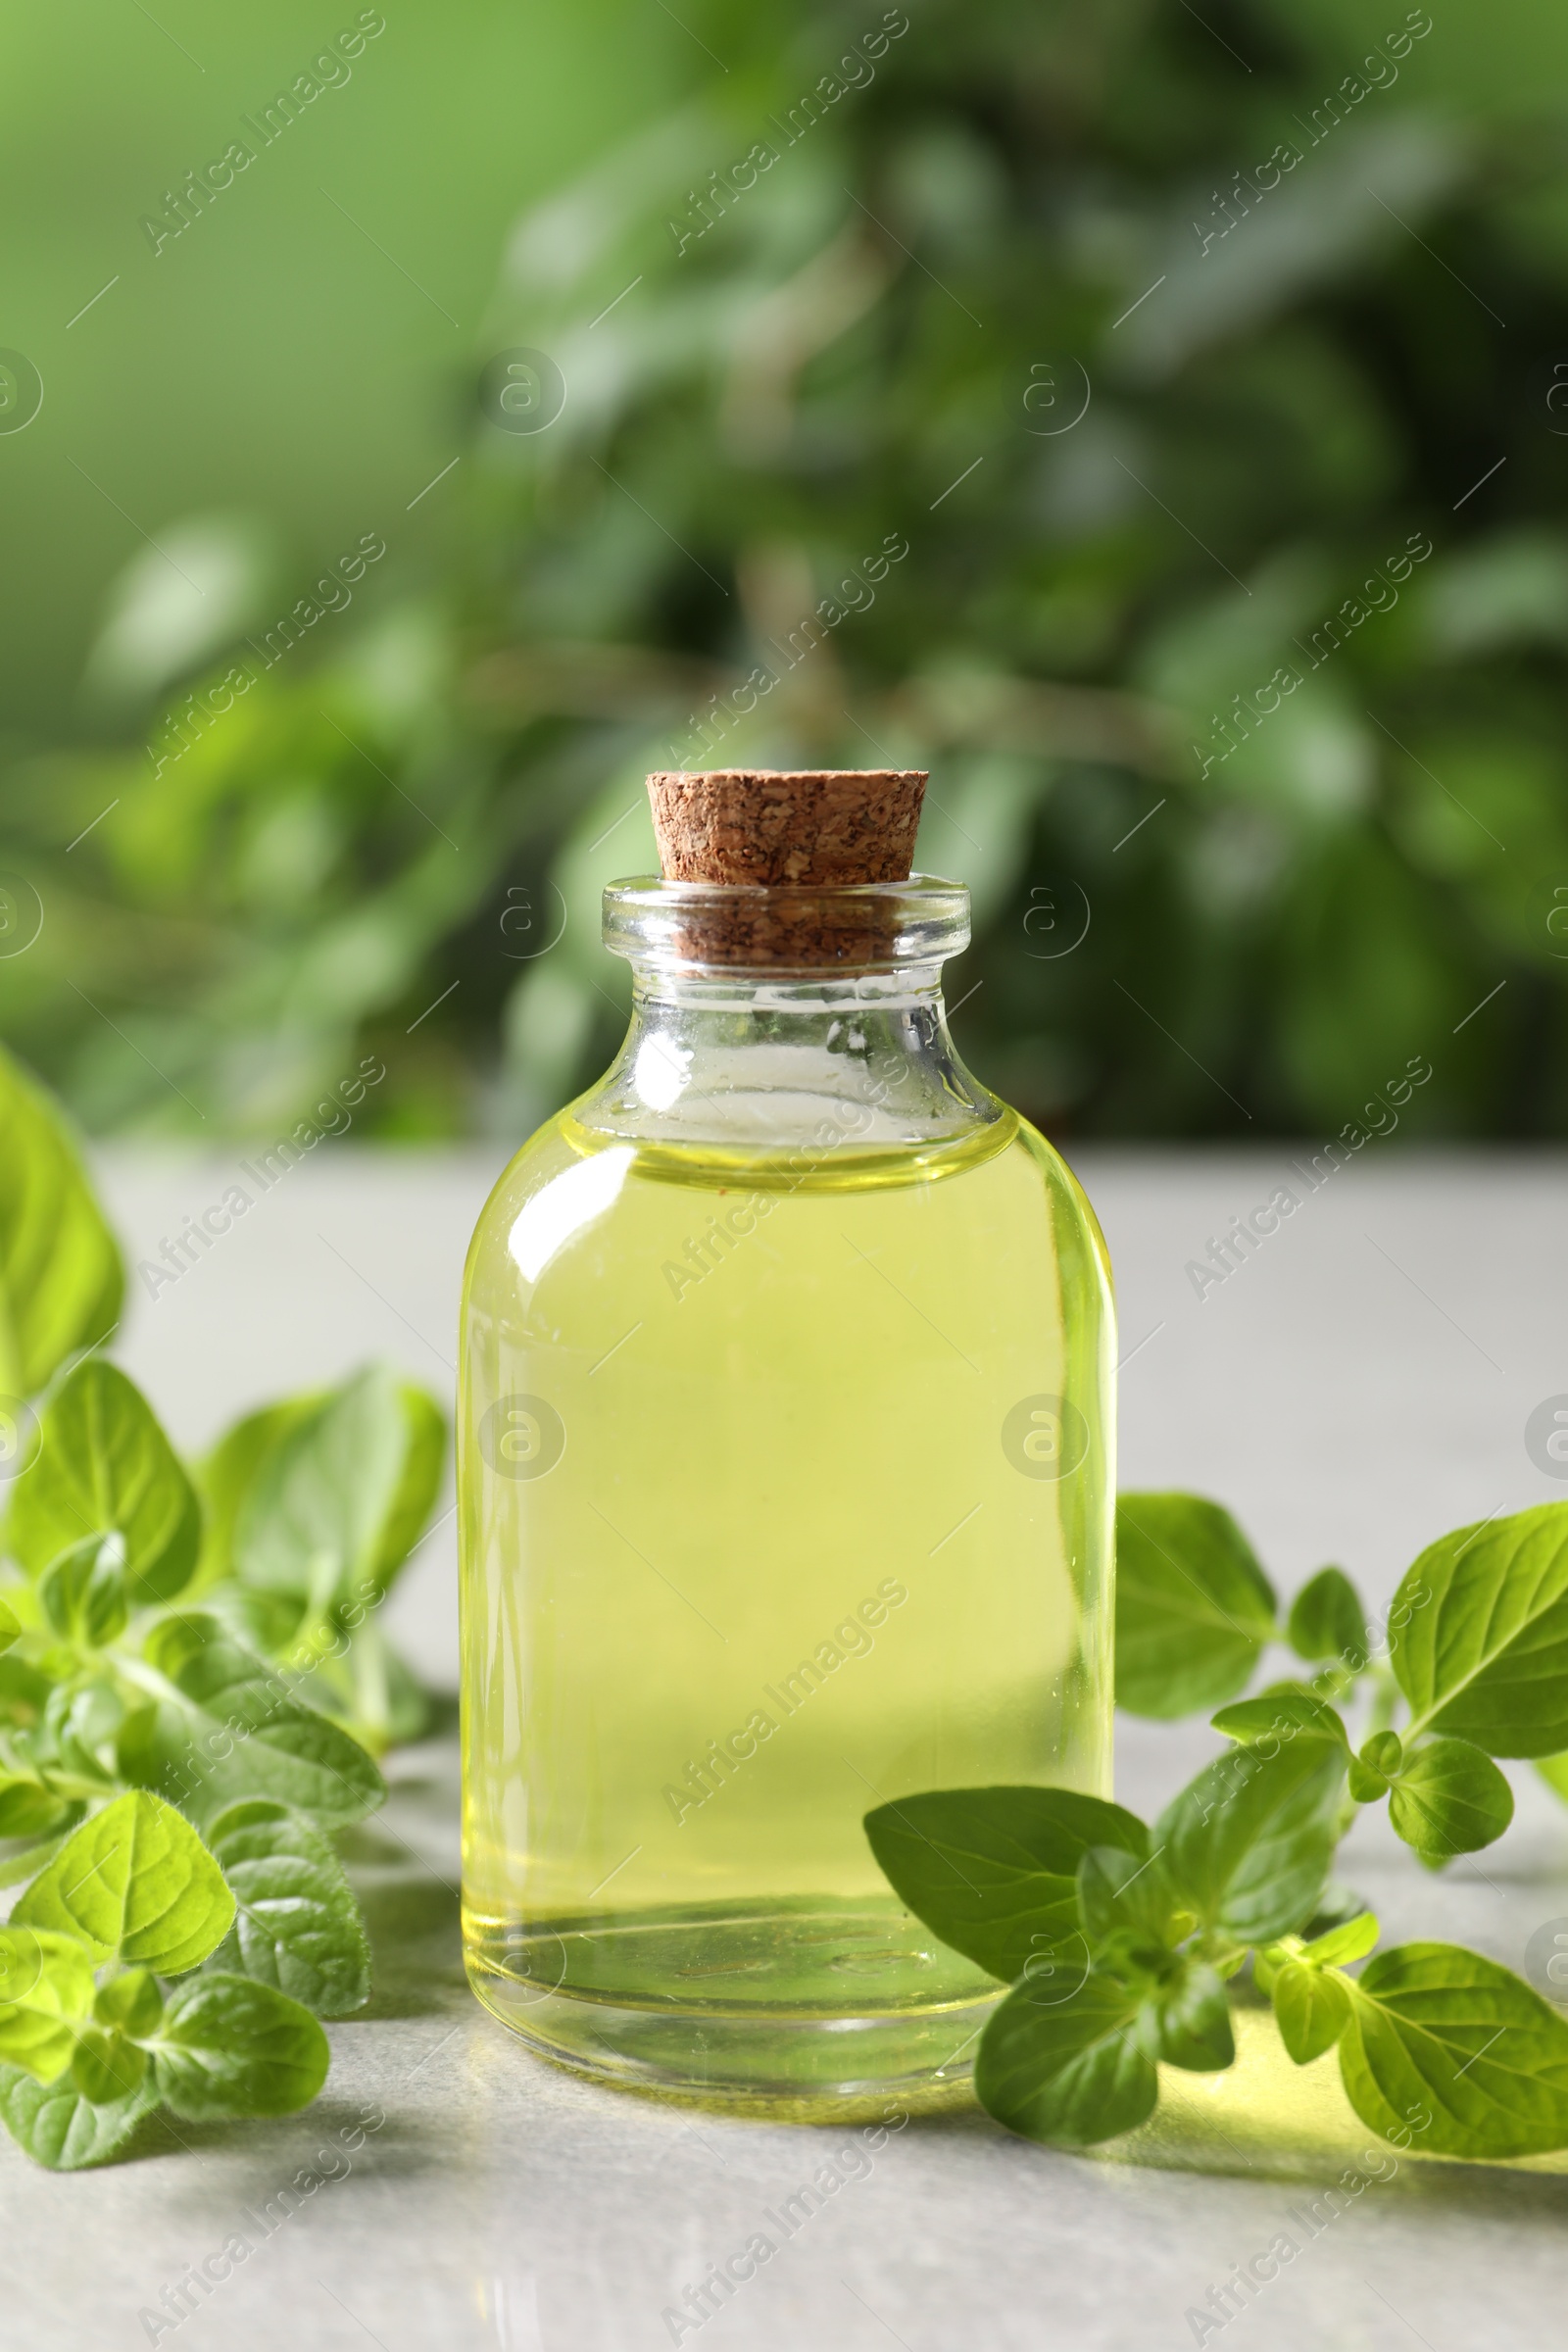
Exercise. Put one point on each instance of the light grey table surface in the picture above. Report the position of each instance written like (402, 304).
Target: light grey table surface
(1359, 1386)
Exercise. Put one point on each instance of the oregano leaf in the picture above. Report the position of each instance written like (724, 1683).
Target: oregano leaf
(994, 1870)
(1449, 1798)
(297, 1925)
(1478, 1634)
(57, 2127)
(137, 1885)
(1443, 2042)
(46, 1987)
(1247, 1843)
(1327, 1621)
(1194, 1609)
(229, 2046)
(1069, 2072)
(1312, 2008)
(61, 1281)
(104, 1466)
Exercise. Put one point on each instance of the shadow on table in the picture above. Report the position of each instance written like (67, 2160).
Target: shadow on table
(1265, 2119)
(277, 2151)
(411, 1901)
(411, 1918)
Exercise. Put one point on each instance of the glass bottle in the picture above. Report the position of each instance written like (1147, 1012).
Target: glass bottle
(786, 1489)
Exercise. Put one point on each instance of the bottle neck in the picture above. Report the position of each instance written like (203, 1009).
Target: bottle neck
(742, 1060)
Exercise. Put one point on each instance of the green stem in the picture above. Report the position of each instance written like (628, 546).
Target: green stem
(367, 1658)
(147, 1678)
(1385, 1699)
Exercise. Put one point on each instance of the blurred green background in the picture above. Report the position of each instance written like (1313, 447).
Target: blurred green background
(1151, 334)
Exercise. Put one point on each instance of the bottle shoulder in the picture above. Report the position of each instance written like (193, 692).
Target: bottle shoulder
(575, 1211)
(568, 1155)
(830, 1156)
(1072, 1203)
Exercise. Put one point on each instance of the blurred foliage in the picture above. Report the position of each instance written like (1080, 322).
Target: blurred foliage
(394, 838)
(270, 355)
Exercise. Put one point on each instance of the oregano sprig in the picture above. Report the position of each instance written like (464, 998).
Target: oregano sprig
(193, 1690)
(1119, 1940)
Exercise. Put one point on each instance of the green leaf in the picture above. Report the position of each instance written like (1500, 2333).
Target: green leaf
(1278, 1716)
(1451, 1799)
(1554, 1770)
(60, 1278)
(1327, 1621)
(1071, 2071)
(1189, 2020)
(1454, 2051)
(10, 1627)
(1351, 1940)
(79, 1723)
(994, 1870)
(45, 1987)
(1375, 1769)
(1311, 2007)
(226, 1476)
(83, 1592)
(1247, 1843)
(136, 1883)
(1479, 1634)
(105, 2067)
(297, 1925)
(24, 1692)
(425, 1456)
(238, 1731)
(367, 1689)
(27, 1808)
(229, 2046)
(129, 2001)
(1194, 1609)
(1119, 1894)
(104, 1464)
(336, 1503)
(60, 2129)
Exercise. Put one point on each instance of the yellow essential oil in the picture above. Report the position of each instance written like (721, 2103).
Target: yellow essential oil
(786, 1491)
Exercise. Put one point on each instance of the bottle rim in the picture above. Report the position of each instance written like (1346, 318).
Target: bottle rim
(786, 926)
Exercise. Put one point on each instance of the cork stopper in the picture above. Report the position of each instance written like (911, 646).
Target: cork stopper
(793, 832)
(818, 825)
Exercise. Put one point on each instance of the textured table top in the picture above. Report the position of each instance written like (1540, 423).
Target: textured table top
(1359, 1385)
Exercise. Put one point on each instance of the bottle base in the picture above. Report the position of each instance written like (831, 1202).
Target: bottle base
(620, 2006)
